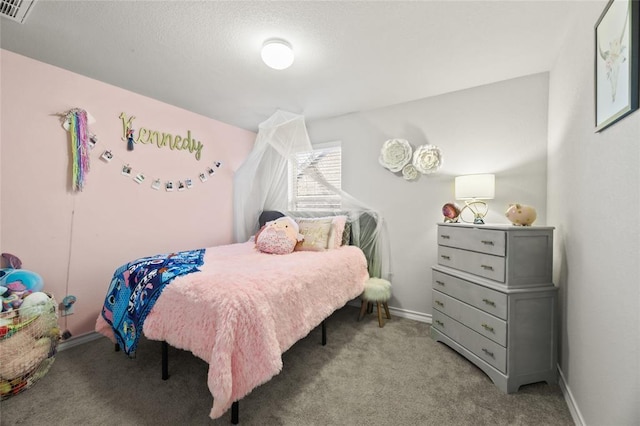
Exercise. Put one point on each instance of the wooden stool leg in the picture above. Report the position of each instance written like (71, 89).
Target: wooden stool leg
(369, 307)
(363, 309)
(386, 309)
(380, 323)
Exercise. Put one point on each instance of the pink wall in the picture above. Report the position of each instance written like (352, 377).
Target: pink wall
(113, 220)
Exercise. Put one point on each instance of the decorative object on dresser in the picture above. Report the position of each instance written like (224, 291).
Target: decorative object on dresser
(451, 213)
(521, 214)
(494, 301)
(473, 189)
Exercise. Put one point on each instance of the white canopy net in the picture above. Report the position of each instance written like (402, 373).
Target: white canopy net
(261, 183)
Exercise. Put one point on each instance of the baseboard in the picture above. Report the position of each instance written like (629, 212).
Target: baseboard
(80, 340)
(402, 313)
(412, 315)
(571, 402)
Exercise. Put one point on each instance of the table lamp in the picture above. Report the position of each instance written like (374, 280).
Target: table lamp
(473, 189)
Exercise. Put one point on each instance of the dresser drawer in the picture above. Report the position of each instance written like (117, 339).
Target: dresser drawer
(484, 265)
(483, 348)
(488, 300)
(480, 240)
(477, 320)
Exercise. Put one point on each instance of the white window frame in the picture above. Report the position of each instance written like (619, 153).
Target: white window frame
(310, 201)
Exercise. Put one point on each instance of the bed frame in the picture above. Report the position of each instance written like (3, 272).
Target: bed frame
(265, 216)
(235, 407)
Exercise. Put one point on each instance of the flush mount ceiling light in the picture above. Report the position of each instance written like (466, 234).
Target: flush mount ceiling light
(277, 54)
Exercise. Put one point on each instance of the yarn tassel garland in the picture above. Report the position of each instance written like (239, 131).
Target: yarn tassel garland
(79, 147)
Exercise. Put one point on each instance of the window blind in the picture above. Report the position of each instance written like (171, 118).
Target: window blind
(315, 178)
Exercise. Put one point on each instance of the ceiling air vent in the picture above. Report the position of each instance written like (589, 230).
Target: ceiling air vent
(16, 10)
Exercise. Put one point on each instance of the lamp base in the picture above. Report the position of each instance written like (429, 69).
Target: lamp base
(479, 210)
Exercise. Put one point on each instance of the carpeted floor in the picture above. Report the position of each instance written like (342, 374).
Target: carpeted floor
(365, 375)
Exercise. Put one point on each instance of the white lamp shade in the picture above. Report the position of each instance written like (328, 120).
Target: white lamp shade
(479, 187)
(277, 54)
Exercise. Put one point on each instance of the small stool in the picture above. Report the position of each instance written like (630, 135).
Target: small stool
(376, 290)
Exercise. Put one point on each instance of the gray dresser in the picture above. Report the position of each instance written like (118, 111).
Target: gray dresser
(494, 301)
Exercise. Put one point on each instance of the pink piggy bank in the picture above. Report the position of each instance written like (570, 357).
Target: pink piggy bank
(521, 215)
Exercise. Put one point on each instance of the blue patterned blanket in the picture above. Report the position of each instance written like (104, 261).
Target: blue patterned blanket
(135, 287)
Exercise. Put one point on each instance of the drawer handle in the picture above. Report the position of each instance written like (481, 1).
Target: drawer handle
(487, 242)
(439, 303)
(440, 323)
(445, 257)
(488, 352)
(488, 328)
(445, 237)
(439, 282)
(489, 302)
(487, 267)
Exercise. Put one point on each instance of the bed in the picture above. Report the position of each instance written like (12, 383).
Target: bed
(242, 309)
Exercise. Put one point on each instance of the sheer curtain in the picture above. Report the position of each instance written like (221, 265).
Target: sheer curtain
(261, 183)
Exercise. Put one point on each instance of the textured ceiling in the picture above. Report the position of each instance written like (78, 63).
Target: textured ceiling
(350, 56)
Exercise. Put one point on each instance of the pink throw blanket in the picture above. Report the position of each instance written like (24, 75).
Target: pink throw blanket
(245, 308)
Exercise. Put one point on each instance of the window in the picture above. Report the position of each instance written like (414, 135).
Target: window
(315, 178)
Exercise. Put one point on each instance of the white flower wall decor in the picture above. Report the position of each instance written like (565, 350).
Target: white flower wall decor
(397, 155)
(409, 172)
(427, 159)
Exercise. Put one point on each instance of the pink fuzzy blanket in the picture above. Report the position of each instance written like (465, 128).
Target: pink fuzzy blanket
(245, 308)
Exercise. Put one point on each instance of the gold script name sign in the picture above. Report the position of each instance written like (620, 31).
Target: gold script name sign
(161, 139)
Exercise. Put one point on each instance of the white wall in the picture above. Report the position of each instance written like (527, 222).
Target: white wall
(499, 128)
(594, 202)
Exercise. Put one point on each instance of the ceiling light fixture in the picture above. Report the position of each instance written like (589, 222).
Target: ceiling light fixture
(277, 54)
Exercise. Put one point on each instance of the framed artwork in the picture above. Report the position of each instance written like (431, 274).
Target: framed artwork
(617, 49)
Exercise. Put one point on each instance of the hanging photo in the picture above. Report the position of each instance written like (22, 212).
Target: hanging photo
(139, 178)
(181, 186)
(217, 164)
(126, 170)
(156, 184)
(203, 177)
(107, 156)
(210, 171)
(93, 140)
(168, 186)
(188, 183)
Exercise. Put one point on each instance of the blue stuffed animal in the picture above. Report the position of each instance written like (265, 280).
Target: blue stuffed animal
(15, 285)
(32, 281)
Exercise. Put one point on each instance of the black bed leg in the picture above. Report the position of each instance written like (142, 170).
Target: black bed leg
(165, 360)
(324, 333)
(234, 413)
(117, 347)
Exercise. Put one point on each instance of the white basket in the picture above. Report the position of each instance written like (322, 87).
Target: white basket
(28, 346)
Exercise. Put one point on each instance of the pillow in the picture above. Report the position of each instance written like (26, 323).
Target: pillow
(316, 234)
(278, 236)
(346, 234)
(335, 238)
(336, 230)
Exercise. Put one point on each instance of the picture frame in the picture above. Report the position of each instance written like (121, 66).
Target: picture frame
(617, 42)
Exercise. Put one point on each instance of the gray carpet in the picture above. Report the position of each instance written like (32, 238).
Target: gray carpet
(365, 375)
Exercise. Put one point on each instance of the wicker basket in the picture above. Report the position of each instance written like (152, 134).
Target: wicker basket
(28, 345)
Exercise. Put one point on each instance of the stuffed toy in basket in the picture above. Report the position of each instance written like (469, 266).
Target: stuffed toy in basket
(28, 341)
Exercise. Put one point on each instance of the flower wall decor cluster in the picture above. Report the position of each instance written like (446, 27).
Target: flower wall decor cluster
(397, 155)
